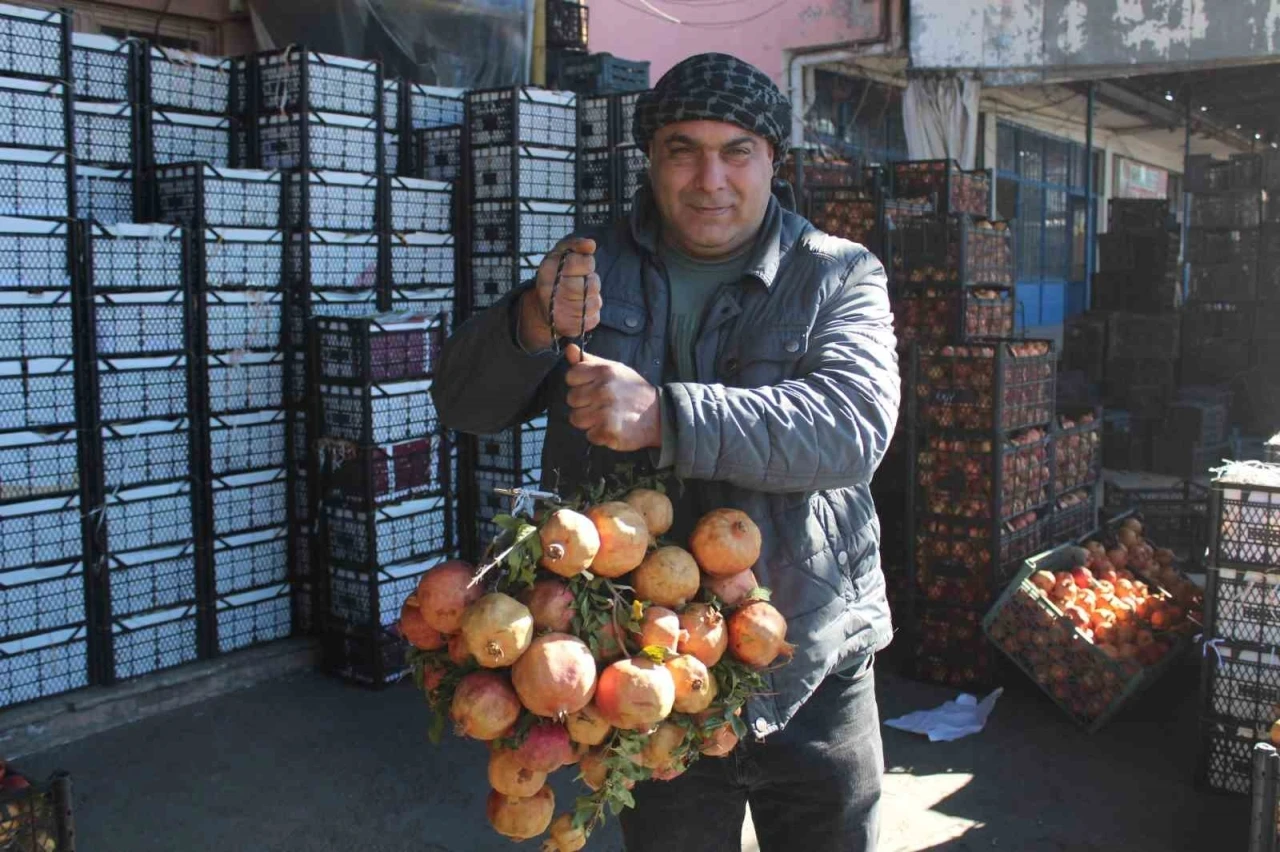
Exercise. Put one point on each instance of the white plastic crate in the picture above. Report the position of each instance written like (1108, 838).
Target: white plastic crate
(40, 532)
(243, 258)
(148, 642)
(35, 254)
(31, 41)
(194, 194)
(386, 535)
(43, 665)
(245, 381)
(523, 116)
(379, 414)
(339, 201)
(158, 578)
(253, 617)
(146, 451)
(250, 441)
(253, 500)
(132, 257)
(140, 388)
(435, 106)
(36, 464)
(36, 324)
(334, 83)
(183, 80)
(146, 323)
(420, 205)
(148, 516)
(36, 393)
(374, 598)
(33, 183)
(32, 113)
(422, 260)
(250, 560)
(104, 195)
(102, 67)
(519, 227)
(332, 260)
(34, 600)
(344, 143)
(184, 137)
(505, 173)
(104, 133)
(243, 319)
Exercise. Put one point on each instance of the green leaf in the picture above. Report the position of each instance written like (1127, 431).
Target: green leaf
(759, 593)
(626, 797)
(507, 522)
(657, 653)
(615, 806)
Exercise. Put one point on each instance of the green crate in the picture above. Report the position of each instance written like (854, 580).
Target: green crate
(1095, 686)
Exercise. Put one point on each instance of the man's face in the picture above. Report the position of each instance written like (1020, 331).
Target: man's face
(711, 181)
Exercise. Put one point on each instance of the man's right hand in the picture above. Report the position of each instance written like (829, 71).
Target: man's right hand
(579, 291)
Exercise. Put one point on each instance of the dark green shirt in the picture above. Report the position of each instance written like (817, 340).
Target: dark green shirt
(693, 283)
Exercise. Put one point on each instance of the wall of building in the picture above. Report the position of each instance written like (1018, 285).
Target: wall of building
(216, 26)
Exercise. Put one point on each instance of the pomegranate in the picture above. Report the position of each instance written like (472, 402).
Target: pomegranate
(721, 741)
(521, 818)
(444, 593)
(733, 589)
(667, 577)
(609, 645)
(705, 634)
(1044, 581)
(551, 604)
(415, 630)
(564, 837)
(594, 770)
(661, 628)
(588, 726)
(458, 653)
(497, 629)
(725, 542)
(635, 694)
(546, 748)
(510, 777)
(659, 750)
(669, 773)
(757, 634)
(654, 507)
(624, 539)
(556, 676)
(569, 543)
(695, 687)
(484, 706)
(433, 672)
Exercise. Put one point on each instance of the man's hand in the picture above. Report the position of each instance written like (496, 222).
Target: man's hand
(612, 403)
(579, 291)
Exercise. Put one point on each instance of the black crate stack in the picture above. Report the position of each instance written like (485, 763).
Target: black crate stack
(188, 111)
(431, 122)
(611, 167)
(1139, 259)
(109, 167)
(1240, 671)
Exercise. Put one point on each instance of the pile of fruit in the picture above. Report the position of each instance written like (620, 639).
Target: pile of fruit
(957, 475)
(846, 213)
(956, 385)
(26, 816)
(589, 640)
(1091, 621)
(933, 314)
(960, 560)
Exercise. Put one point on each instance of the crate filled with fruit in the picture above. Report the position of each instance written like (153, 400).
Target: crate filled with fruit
(947, 646)
(955, 251)
(589, 643)
(938, 315)
(853, 214)
(958, 191)
(1094, 625)
(35, 815)
(1075, 515)
(968, 561)
(1077, 449)
(984, 387)
(980, 478)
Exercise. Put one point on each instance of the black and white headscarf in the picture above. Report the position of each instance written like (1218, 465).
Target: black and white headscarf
(716, 87)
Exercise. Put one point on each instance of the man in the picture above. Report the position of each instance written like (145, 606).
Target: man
(738, 348)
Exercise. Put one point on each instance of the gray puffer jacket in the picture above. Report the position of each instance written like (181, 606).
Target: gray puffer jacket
(796, 401)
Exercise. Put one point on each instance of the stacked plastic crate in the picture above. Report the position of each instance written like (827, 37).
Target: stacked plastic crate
(237, 260)
(610, 165)
(1240, 674)
(187, 116)
(108, 114)
(44, 623)
(432, 120)
(522, 187)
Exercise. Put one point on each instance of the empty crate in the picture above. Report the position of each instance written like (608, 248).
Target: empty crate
(37, 392)
(135, 257)
(243, 319)
(103, 68)
(34, 254)
(45, 664)
(155, 579)
(421, 260)
(332, 260)
(145, 451)
(415, 204)
(517, 449)
(252, 617)
(40, 531)
(33, 113)
(242, 258)
(41, 598)
(245, 381)
(144, 323)
(105, 195)
(326, 303)
(519, 227)
(35, 464)
(508, 172)
(147, 642)
(33, 42)
(148, 516)
(439, 153)
(106, 134)
(373, 598)
(36, 324)
(140, 388)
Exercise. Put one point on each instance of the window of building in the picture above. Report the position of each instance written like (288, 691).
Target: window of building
(857, 117)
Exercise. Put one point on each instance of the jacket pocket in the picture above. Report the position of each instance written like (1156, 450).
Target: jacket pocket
(618, 336)
(762, 357)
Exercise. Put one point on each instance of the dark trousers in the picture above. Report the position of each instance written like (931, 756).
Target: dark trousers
(812, 787)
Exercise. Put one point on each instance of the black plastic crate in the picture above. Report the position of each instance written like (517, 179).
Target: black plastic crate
(1131, 213)
(105, 195)
(145, 581)
(363, 476)
(38, 463)
(428, 300)
(39, 599)
(38, 392)
(1241, 685)
(34, 254)
(939, 315)
(241, 258)
(1141, 252)
(375, 659)
(42, 531)
(526, 172)
(493, 276)
(626, 117)
(956, 190)
(390, 153)
(146, 323)
(34, 183)
(567, 24)
(522, 116)
(142, 388)
(184, 137)
(519, 227)
(1231, 210)
(34, 42)
(378, 413)
(517, 449)
(191, 82)
(148, 516)
(104, 68)
(968, 562)
(420, 260)
(632, 167)
(369, 539)
(1143, 386)
(319, 140)
(435, 106)
(1198, 420)
(297, 436)
(1224, 282)
(253, 617)
(43, 665)
(296, 79)
(597, 215)
(243, 320)
(145, 451)
(245, 381)
(1225, 761)
(1271, 450)
(414, 204)
(976, 479)
(106, 134)
(128, 257)
(1176, 516)
(198, 194)
(301, 309)
(34, 113)
(250, 560)
(302, 497)
(1211, 247)
(597, 123)
(372, 599)
(332, 260)
(1075, 515)
(147, 642)
(598, 73)
(249, 501)
(249, 441)
(329, 200)
(1245, 508)
(1135, 336)
(393, 98)
(380, 348)
(440, 153)
(1243, 607)
(36, 324)
(989, 387)
(951, 251)
(1077, 449)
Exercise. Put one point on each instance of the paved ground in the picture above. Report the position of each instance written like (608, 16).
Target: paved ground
(307, 764)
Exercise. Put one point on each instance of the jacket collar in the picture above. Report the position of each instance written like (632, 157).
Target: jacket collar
(766, 254)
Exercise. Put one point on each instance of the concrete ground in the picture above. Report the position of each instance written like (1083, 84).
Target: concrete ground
(307, 764)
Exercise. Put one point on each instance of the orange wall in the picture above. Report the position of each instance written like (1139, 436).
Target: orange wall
(209, 21)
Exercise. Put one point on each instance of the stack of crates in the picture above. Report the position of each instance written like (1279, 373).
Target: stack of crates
(611, 167)
(233, 216)
(189, 110)
(109, 108)
(1240, 672)
(1077, 473)
(1139, 259)
(431, 122)
(385, 481)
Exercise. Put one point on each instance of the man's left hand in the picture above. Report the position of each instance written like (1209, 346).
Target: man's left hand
(612, 403)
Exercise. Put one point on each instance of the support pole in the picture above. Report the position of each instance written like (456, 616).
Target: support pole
(1090, 213)
(1184, 231)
